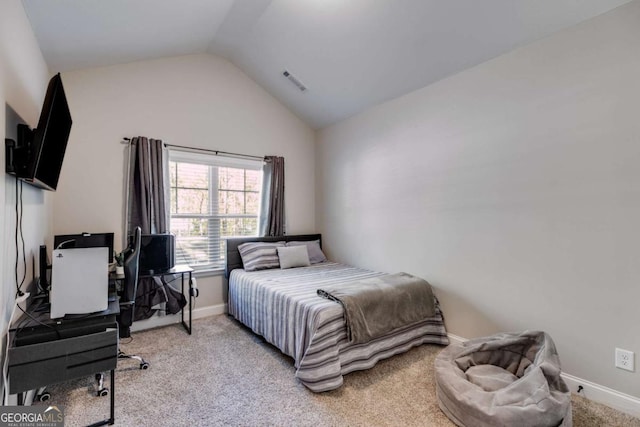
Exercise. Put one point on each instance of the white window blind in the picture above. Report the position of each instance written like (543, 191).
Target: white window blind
(211, 198)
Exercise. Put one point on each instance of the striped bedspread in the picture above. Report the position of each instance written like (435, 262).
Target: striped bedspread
(283, 307)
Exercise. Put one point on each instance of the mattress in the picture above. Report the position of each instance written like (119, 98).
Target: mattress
(284, 308)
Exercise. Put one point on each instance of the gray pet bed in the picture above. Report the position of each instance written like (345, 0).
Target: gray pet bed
(503, 380)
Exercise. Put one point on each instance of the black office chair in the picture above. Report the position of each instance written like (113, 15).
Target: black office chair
(127, 302)
(128, 296)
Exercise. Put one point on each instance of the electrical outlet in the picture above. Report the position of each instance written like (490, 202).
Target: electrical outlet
(624, 359)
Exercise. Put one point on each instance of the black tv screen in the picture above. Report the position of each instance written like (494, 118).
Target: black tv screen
(51, 136)
(37, 156)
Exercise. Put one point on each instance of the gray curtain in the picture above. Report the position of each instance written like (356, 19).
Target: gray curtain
(146, 204)
(146, 207)
(272, 206)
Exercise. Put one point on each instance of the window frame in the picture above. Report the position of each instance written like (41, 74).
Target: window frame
(214, 162)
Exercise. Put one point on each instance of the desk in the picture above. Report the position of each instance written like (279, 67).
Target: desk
(182, 270)
(45, 351)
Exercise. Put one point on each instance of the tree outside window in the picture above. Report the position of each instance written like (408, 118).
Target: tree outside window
(210, 202)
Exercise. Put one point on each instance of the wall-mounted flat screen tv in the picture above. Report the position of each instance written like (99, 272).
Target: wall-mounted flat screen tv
(36, 157)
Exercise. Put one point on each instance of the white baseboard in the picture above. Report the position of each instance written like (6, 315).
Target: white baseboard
(198, 313)
(210, 310)
(605, 395)
(590, 390)
(454, 339)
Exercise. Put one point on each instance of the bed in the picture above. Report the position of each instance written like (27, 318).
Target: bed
(282, 305)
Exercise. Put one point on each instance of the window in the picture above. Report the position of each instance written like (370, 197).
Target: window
(211, 198)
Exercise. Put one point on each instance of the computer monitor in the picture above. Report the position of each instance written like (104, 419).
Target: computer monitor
(85, 240)
(157, 253)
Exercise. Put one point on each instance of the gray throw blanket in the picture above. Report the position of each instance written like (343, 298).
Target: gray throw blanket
(373, 307)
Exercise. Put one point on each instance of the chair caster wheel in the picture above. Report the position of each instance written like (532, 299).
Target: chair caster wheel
(144, 365)
(44, 396)
(103, 392)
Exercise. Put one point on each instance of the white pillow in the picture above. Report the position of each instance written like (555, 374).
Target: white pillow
(313, 247)
(293, 256)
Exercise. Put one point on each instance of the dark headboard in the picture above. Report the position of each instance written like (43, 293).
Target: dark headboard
(233, 256)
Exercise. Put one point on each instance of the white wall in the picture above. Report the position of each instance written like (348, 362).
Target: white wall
(196, 100)
(513, 187)
(23, 83)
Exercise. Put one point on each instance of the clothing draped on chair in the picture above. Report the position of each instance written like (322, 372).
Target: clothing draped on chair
(272, 206)
(146, 207)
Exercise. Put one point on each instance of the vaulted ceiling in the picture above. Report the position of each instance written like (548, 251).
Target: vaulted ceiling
(349, 54)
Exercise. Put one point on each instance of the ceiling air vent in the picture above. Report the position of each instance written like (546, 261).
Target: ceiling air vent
(293, 79)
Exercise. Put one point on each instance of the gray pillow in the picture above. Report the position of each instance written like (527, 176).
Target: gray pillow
(260, 255)
(313, 248)
(293, 256)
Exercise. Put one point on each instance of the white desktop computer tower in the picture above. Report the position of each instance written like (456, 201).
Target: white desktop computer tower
(79, 281)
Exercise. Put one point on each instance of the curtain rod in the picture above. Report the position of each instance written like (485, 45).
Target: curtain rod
(216, 152)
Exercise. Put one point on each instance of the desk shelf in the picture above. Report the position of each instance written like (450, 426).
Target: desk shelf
(44, 351)
(36, 365)
(182, 270)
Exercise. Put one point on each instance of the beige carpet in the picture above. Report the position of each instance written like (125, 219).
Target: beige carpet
(225, 375)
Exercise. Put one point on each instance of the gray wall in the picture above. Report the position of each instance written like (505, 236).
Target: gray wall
(513, 187)
(23, 83)
(192, 100)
